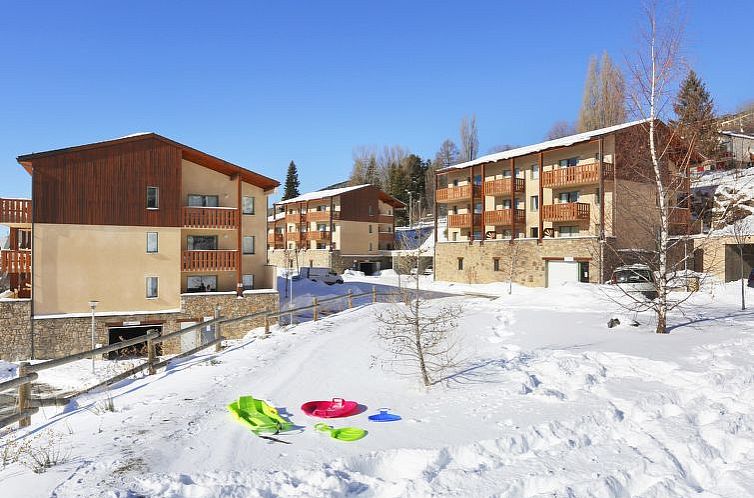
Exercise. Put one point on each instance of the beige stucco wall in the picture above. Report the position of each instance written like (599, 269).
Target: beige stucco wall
(197, 179)
(77, 263)
(353, 237)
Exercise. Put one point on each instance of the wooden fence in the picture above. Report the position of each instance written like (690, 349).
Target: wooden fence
(28, 373)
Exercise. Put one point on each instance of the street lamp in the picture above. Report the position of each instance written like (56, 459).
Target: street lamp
(93, 306)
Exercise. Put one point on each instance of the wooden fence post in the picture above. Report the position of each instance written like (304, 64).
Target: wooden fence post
(266, 325)
(315, 309)
(350, 298)
(150, 356)
(217, 329)
(374, 294)
(24, 390)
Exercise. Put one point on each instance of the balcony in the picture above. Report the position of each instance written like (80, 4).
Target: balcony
(203, 261)
(15, 261)
(503, 186)
(464, 220)
(322, 215)
(503, 217)
(567, 211)
(15, 212)
(386, 237)
(275, 240)
(295, 218)
(210, 217)
(584, 174)
(318, 235)
(385, 219)
(679, 216)
(463, 192)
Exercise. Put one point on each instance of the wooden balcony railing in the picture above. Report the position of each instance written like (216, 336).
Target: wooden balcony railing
(318, 235)
(207, 217)
(322, 215)
(386, 219)
(457, 193)
(502, 186)
(584, 174)
(679, 216)
(386, 236)
(276, 238)
(568, 211)
(295, 217)
(464, 220)
(292, 237)
(504, 217)
(15, 261)
(15, 211)
(209, 260)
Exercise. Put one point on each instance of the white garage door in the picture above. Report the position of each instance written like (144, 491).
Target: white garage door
(559, 272)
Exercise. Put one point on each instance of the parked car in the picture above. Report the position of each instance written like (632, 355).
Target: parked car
(750, 283)
(635, 279)
(318, 274)
(428, 270)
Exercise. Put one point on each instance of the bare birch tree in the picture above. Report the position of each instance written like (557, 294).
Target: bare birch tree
(417, 333)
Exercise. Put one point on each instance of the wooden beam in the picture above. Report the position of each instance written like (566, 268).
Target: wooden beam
(541, 201)
(513, 199)
(239, 266)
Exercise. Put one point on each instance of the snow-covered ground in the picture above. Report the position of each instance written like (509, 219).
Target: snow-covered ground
(548, 402)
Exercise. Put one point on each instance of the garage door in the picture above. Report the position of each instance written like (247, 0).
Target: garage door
(559, 272)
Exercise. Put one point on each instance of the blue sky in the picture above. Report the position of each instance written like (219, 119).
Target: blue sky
(261, 83)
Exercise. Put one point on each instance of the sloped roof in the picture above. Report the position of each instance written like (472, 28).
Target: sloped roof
(188, 153)
(327, 193)
(549, 144)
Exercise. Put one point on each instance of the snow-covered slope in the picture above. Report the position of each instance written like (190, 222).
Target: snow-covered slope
(548, 402)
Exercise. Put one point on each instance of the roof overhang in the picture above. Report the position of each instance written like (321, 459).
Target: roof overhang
(187, 153)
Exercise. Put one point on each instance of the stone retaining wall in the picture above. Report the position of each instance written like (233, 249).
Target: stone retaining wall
(57, 337)
(15, 329)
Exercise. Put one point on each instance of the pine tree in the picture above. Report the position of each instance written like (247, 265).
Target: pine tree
(695, 114)
(372, 175)
(291, 182)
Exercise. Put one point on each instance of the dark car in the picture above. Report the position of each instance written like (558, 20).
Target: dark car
(751, 278)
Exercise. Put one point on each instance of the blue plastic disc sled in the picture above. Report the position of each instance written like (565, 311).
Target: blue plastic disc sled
(384, 416)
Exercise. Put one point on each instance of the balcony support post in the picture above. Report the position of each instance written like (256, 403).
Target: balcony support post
(513, 199)
(471, 188)
(484, 206)
(600, 148)
(239, 262)
(541, 229)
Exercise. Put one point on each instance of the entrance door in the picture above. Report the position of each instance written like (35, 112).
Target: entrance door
(560, 272)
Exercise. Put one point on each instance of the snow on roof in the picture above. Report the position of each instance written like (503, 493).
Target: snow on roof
(737, 135)
(132, 135)
(321, 194)
(276, 216)
(558, 142)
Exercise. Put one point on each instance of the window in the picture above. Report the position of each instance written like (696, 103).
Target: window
(477, 180)
(567, 163)
(248, 282)
(322, 227)
(517, 172)
(478, 208)
(152, 286)
(153, 198)
(568, 231)
(200, 200)
(495, 264)
(455, 236)
(534, 171)
(455, 182)
(534, 232)
(370, 228)
(507, 173)
(506, 203)
(534, 203)
(248, 244)
(321, 208)
(564, 197)
(371, 210)
(247, 204)
(151, 242)
(597, 196)
(201, 283)
(370, 246)
(201, 242)
(460, 263)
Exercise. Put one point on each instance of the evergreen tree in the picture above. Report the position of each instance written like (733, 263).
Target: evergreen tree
(291, 182)
(695, 114)
(372, 174)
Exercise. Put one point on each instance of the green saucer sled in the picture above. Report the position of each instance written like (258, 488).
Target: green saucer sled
(258, 415)
(343, 434)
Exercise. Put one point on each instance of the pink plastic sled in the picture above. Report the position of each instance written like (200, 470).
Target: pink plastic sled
(338, 407)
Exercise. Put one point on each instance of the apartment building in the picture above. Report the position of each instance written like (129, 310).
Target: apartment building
(159, 234)
(562, 202)
(334, 228)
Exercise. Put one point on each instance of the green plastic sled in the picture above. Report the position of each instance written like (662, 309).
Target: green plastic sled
(342, 434)
(258, 415)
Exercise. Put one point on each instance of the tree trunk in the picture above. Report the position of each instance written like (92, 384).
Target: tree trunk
(417, 335)
(662, 325)
(743, 277)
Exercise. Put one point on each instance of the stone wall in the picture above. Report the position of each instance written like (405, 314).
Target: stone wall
(323, 258)
(56, 337)
(530, 259)
(15, 329)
